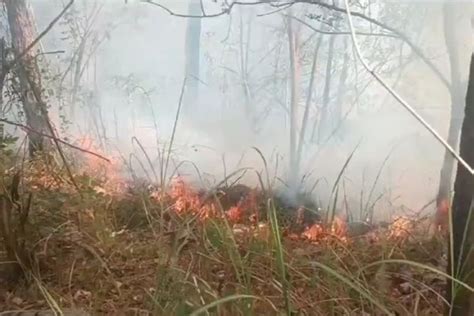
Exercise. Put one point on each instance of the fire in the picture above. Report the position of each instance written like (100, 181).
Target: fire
(184, 198)
(187, 200)
(241, 203)
(246, 208)
(40, 175)
(320, 233)
(315, 233)
(442, 216)
(107, 172)
(235, 213)
(401, 228)
(339, 227)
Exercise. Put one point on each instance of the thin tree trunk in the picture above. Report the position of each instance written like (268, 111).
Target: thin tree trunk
(309, 96)
(446, 173)
(323, 122)
(294, 83)
(461, 262)
(77, 76)
(244, 80)
(193, 54)
(3, 74)
(336, 117)
(23, 32)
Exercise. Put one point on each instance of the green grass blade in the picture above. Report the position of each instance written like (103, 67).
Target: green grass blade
(223, 300)
(353, 285)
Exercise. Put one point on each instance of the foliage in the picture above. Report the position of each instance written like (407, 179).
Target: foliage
(187, 265)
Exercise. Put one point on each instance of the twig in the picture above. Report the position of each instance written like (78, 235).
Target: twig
(278, 9)
(402, 36)
(202, 7)
(29, 129)
(341, 32)
(405, 104)
(278, 4)
(203, 16)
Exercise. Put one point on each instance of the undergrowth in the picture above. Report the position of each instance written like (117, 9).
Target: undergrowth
(137, 250)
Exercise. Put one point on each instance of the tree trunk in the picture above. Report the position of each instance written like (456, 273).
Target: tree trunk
(446, 174)
(193, 54)
(294, 83)
(309, 96)
(244, 74)
(324, 125)
(461, 263)
(23, 33)
(336, 115)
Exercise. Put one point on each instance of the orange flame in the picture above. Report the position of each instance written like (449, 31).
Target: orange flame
(321, 233)
(188, 200)
(401, 228)
(315, 233)
(442, 216)
(339, 227)
(108, 173)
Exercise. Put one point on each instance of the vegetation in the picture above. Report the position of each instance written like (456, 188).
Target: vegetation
(90, 225)
(127, 246)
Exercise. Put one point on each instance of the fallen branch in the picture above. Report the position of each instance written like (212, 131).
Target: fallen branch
(29, 129)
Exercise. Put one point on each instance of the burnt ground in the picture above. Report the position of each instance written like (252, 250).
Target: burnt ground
(143, 251)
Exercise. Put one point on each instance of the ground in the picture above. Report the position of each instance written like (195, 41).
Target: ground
(117, 247)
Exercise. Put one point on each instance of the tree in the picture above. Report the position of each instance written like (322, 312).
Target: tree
(446, 174)
(23, 33)
(324, 124)
(193, 39)
(461, 262)
(294, 84)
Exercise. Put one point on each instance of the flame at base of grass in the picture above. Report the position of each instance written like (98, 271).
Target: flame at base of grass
(441, 221)
(322, 233)
(108, 173)
(187, 200)
(401, 228)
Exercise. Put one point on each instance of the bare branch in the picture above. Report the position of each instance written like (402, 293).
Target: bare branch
(213, 15)
(404, 103)
(29, 129)
(278, 9)
(341, 32)
(279, 4)
(402, 36)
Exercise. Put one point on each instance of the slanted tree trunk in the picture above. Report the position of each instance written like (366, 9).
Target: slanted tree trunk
(23, 33)
(446, 174)
(192, 51)
(461, 264)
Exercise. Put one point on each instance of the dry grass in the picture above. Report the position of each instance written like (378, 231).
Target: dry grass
(142, 250)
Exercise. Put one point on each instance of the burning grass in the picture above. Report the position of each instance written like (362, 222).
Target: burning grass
(140, 249)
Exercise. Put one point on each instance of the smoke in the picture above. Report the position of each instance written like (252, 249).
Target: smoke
(132, 82)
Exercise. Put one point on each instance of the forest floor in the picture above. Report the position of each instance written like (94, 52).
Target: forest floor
(115, 248)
